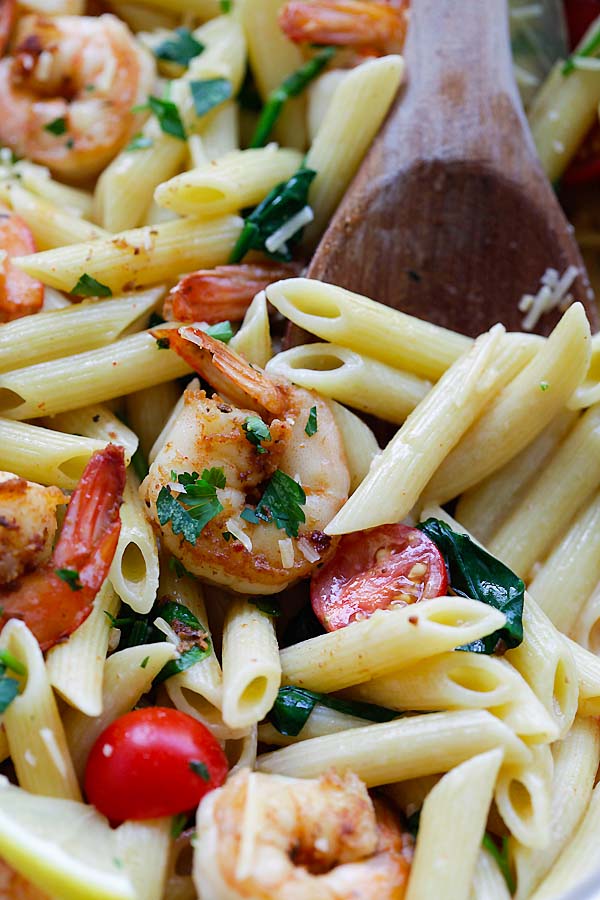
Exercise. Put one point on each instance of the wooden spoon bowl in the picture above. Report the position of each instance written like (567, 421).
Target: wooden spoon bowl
(451, 217)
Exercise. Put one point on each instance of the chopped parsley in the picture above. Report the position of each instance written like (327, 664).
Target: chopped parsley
(293, 85)
(281, 503)
(89, 287)
(162, 343)
(256, 431)
(71, 577)
(193, 509)
(221, 331)
(294, 705)
(144, 662)
(502, 858)
(139, 142)
(284, 202)
(225, 6)
(270, 607)
(181, 48)
(9, 661)
(209, 93)
(194, 641)
(590, 48)
(178, 825)
(175, 565)
(200, 768)
(311, 426)
(57, 126)
(544, 385)
(9, 687)
(168, 117)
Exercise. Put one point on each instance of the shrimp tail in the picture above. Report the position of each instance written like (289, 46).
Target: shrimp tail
(376, 24)
(224, 369)
(56, 598)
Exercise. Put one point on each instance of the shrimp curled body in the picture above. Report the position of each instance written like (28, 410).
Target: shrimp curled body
(67, 91)
(269, 836)
(245, 556)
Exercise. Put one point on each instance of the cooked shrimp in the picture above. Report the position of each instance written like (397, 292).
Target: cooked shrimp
(57, 596)
(67, 91)
(27, 525)
(242, 547)
(226, 292)
(269, 836)
(14, 887)
(7, 19)
(377, 24)
(20, 294)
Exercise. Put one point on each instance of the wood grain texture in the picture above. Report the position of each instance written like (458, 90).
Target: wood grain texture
(451, 217)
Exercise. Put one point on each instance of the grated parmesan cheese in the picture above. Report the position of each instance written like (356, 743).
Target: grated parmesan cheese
(235, 527)
(43, 68)
(307, 550)
(553, 294)
(278, 239)
(166, 629)
(286, 550)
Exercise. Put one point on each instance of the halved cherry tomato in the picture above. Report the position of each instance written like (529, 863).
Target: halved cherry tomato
(153, 762)
(20, 294)
(392, 565)
(580, 15)
(585, 165)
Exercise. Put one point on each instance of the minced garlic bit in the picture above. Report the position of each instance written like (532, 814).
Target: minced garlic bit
(166, 629)
(236, 528)
(308, 551)
(286, 549)
(552, 294)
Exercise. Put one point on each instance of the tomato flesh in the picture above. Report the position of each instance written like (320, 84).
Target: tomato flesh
(153, 762)
(392, 565)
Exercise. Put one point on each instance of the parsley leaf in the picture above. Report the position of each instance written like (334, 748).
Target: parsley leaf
(178, 824)
(221, 331)
(590, 48)
(256, 431)
(139, 142)
(200, 503)
(144, 662)
(200, 768)
(209, 93)
(225, 6)
(293, 85)
(89, 287)
(502, 858)
(162, 343)
(168, 117)
(194, 641)
(9, 688)
(57, 126)
(311, 426)
(280, 503)
(294, 705)
(8, 661)
(477, 574)
(181, 48)
(279, 206)
(269, 607)
(71, 577)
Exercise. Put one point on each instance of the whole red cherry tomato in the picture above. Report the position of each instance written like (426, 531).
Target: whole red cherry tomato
(375, 569)
(153, 762)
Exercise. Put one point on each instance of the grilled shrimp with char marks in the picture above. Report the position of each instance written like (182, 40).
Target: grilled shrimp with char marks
(254, 557)
(67, 91)
(269, 836)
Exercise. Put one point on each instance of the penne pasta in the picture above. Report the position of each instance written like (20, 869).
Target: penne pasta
(360, 443)
(523, 798)
(134, 569)
(144, 848)
(253, 340)
(96, 422)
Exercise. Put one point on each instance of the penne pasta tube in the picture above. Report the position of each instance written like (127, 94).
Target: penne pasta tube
(353, 379)
(220, 134)
(387, 641)
(38, 180)
(319, 96)
(75, 667)
(75, 329)
(134, 569)
(143, 18)
(33, 726)
(241, 753)
(358, 107)
(549, 504)
(578, 859)
(337, 315)
(451, 829)
(322, 720)
(359, 442)
(409, 795)
(586, 630)
(259, 19)
(148, 410)
(523, 798)
(372, 752)
(488, 881)
(48, 457)
(53, 300)
(50, 226)
(96, 422)
(144, 847)
(521, 411)
(251, 665)
(129, 364)
(253, 340)
(576, 760)
(568, 576)
(463, 681)
(142, 256)
(239, 179)
(588, 392)
(125, 680)
(484, 507)
(588, 677)
(398, 476)
(193, 385)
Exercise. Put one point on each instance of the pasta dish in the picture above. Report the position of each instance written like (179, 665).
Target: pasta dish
(246, 651)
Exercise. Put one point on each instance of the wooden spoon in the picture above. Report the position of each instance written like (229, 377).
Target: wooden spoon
(451, 217)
